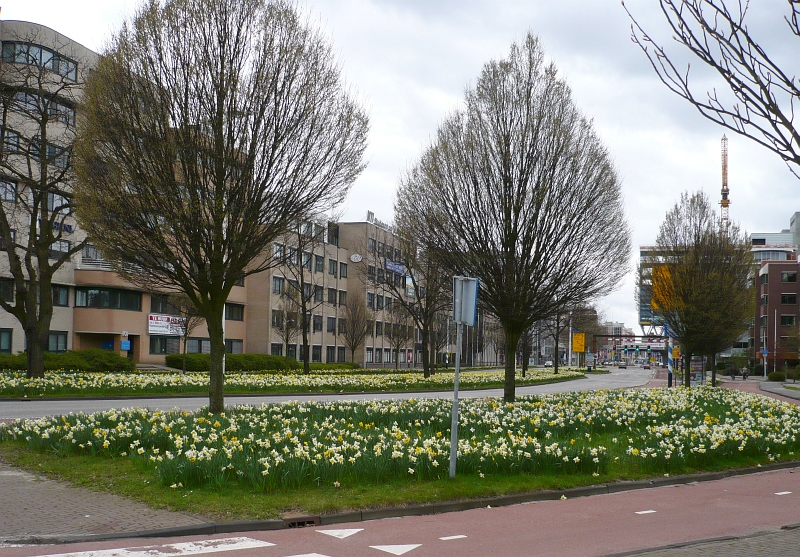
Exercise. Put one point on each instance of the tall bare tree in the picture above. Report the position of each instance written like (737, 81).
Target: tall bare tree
(190, 318)
(38, 98)
(286, 320)
(400, 331)
(304, 266)
(762, 95)
(518, 190)
(702, 279)
(357, 323)
(210, 127)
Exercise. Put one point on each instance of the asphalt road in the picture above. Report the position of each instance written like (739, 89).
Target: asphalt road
(37, 408)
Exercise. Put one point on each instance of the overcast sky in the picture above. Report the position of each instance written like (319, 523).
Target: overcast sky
(410, 61)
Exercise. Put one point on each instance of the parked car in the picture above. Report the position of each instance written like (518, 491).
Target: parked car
(623, 365)
(646, 366)
(548, 363)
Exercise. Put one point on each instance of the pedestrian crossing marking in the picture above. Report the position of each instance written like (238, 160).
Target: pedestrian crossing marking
(784, 493)
(173, 550)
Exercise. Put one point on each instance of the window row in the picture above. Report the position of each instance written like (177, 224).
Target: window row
(312, 262)
(379, 302)
(60, 293)
(383, 250)
(381, 276)
(160, 344)
(333, 354)
(37, 55)
(54, 154)
(37, 105)
(388, 355)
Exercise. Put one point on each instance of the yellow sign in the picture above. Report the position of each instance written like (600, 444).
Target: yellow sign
(578, 342)
(676, 352)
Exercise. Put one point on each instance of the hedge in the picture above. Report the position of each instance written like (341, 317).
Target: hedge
(234, 362)
(93, 360)
(776, 376)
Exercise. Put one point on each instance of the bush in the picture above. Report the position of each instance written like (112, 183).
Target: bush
(234, 362)
(92, 360)
(776, 376)
(342, 365)
(15, 362)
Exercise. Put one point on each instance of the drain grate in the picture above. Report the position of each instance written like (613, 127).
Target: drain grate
(301, 521)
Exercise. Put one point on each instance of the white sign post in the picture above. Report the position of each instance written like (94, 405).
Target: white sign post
(465, 311)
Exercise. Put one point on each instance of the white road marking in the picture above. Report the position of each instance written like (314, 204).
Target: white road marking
(645, 512)
(396, 549)
(172, 550)
(342, 533)
(784, 493)
(458, 537)
(309, 555)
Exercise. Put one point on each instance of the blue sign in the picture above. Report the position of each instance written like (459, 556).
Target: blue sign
(395, 267)
(125, 345)
(765, 352)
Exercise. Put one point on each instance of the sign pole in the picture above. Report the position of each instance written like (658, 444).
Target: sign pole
(454, 420)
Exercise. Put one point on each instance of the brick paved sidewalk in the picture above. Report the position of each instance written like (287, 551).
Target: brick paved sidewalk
(774, 544)
(46, 510)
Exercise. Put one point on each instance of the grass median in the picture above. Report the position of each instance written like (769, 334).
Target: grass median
(330, 457)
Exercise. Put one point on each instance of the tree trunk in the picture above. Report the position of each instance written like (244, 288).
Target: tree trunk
(687, 367)
(510, 387)
(306, 351)
(556, 358)
(426, 356)
(35, 353)
(713, 370)
(216, 401)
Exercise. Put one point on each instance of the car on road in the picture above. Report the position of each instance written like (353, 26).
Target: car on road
(548, 363)
(622, 365)
(646, 366)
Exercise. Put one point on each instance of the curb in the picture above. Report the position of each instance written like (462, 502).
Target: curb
(425, 509)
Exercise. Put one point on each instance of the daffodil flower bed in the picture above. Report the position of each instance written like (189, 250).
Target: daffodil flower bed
(315, 443)
(131, 384)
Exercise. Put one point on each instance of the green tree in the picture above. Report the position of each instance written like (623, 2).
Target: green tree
(211, 127)
(518, 190)
(702, 279)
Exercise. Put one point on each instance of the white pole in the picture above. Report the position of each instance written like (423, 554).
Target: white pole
(454, 421)
(775, 343)
(569, 346)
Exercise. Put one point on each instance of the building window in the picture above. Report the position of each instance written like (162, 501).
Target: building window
(277, 319)
(234, 312)
(161, 303)
(60, 295)
(342, 325)
(388, 303)
(319, 263)
(765, 278)
(7, 290)
(789, 276)
(57, 341)
(332, 264)
(342, 297)
(317, 323)
(318, 293)
(291, 351)
(378, 356)
(277, 285)
(398, 257)
(332, 296)
(788, 320)
(378, 328)
(789, 299)
(108, 298)
(278, 251)
(764, 299)
(233, 346)
(3, 244)
(307, 291)
(369, 355)
(343, 270)
(330, 354)
(307, 260)
(371, 272)
(387, 355)
(379, 302)
(91, 252)
(11, 142)
(380, 249)
(763, 322)
(371, 245)
(165, 345)
(58, 248)
(239, 281)
(199, 346)
(35, 55)
(379, 277)
(5, 340)
(8, 191)
(331, 325)
(370, 300)
(276, 349)
(340, 354)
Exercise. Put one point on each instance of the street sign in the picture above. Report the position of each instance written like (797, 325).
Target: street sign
(465, 300)
(765, 352)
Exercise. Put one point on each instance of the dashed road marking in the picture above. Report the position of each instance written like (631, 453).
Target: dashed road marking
(341, 533)
(448, 538)
(172, 550)
(784, 493)
(396, 549)
(650, 511)
(309, 555)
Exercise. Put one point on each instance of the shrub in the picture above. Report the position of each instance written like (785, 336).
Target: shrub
(93, 360)
(15, 362)
(776, 376)
(342, 365)
(234, 362)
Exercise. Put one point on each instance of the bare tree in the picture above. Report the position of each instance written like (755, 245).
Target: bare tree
(518, 190)
(211, 127)
(762, 94)
(357, 323)
(440, 337)
(286, 318)
(304, 266)
(702, 279)
(38, 97)
(190, 319)
(556, 325)
(400, 331)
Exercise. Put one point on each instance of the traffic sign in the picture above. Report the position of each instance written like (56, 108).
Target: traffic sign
(765, 352)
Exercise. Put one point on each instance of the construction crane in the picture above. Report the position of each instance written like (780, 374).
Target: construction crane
(724, 202)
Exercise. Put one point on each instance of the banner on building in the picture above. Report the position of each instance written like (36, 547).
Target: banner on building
(164, 324)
